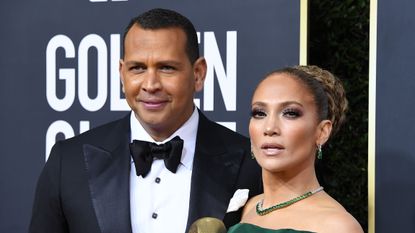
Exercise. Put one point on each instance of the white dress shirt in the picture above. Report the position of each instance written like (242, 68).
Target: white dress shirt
(160, 202)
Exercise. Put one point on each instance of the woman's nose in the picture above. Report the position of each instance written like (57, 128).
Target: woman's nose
(271, 127)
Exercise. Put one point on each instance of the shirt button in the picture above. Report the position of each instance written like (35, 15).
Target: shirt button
(157, 180)
(154, 215)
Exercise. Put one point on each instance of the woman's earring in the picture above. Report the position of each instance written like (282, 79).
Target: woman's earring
(319, 152)
(252, 155)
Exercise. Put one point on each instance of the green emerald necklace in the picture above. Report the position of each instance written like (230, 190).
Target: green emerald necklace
(261, 211)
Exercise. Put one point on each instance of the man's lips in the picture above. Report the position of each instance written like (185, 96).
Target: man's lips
(272, 148)
(153, 104)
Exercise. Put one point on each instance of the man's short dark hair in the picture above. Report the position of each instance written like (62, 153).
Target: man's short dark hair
(162, 18)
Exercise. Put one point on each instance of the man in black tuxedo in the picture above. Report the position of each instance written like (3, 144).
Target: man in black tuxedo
(99, 182)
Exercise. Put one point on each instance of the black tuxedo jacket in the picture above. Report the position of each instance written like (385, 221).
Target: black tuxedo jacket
(84, 186)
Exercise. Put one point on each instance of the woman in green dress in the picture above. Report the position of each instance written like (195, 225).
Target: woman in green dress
(294, 112)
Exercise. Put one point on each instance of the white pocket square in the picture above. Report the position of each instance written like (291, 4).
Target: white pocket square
(238, 200)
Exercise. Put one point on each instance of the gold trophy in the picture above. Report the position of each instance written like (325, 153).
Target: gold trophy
(207, 225)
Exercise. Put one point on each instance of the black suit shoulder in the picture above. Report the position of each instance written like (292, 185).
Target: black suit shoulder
(214, 139)
(106, 135)
(216, 133)
(211, 133)
(62, 195)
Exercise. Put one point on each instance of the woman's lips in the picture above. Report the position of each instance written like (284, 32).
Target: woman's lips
(272, 149)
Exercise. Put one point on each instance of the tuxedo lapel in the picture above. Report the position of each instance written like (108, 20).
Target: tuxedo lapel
(108, 168)
(214, 174)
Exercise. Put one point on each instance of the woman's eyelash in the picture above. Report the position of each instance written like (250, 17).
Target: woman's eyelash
(255, 113)
(258, 113)
(291, 112)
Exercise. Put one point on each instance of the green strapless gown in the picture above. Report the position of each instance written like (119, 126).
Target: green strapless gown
(250, 228)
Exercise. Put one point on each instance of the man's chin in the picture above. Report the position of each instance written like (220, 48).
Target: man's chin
(151, 120)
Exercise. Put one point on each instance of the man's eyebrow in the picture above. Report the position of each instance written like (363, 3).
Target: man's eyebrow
(163, 62)
(170, 62)
(132, 63)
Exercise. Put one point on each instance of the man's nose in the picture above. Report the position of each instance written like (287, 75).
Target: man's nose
(151, 82)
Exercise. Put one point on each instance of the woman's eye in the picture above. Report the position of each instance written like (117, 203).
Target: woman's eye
(258, 114)
(291, 113)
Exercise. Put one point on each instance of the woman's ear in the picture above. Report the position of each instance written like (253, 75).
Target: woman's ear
(323, 131)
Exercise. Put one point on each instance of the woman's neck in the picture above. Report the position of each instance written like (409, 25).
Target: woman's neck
(283, 186)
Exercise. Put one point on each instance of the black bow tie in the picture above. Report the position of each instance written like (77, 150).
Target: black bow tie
(145, 152)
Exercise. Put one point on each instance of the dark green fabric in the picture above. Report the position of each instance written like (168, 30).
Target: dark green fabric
(250, 228)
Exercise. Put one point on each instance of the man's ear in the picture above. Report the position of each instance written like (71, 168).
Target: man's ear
(323, 131)
(199, 72)
(120, 69)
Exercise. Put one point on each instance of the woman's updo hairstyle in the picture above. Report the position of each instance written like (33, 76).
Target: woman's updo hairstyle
(328, 92)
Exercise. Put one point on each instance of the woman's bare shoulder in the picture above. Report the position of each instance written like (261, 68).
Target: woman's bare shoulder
(335, 218)
(341, 221)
